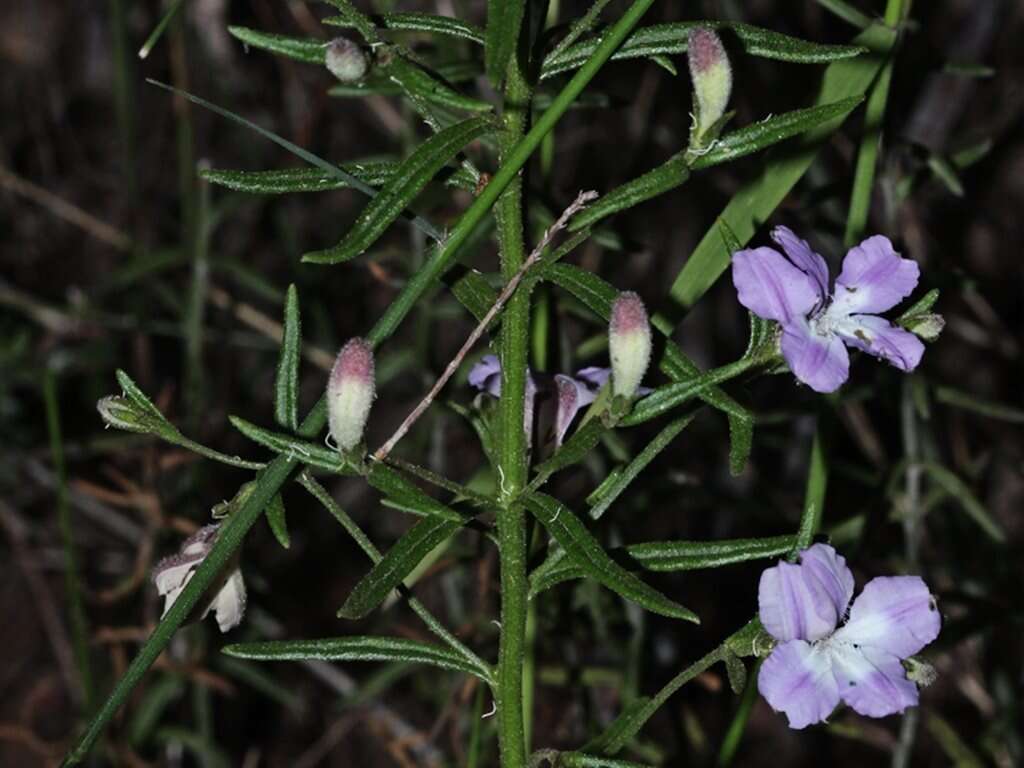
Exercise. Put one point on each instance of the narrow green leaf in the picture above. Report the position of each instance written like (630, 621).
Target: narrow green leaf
(670, 39)
(586, 553)
(416, 81)
(671, 396)
(407, 496)
(276, 519)
(666, 177)
(814, 495)
(573, 451)
(353, 649)
(503, 20)
(666, 556)
(754, 203)
(414, 173)
(136, 395)
(676, 170)
(375, 173)
(474, 293)
(286, 382)
(772, 130)
(300, 49)
(419, 22)
(624, 478)
(296, 150)
(620, 725)
(396, 564)
(294, 448)
(581, 760)
(919, 307)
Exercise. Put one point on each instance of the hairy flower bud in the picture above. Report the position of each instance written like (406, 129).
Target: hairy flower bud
(629, 344)
(712, 79)
(346, 60)
(350, 392)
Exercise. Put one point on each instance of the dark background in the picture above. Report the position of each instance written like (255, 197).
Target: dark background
(103, 219)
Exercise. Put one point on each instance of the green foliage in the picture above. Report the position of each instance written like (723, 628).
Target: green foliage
(669, 39)
(286, 382)
(398, 563)
(587, 554)
(407, 182)
(503, 20)
(353, 649)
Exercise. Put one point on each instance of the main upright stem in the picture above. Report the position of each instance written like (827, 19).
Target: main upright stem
(514, 446)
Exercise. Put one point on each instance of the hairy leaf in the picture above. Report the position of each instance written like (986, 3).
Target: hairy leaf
(662, 39)
(419, 22)
(585, 552)
(286, 382)
(353, 649)
(666, 556)
(397, 563)
(409, 180)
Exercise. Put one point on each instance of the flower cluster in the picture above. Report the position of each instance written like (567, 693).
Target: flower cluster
(818, 326)
(818, 663)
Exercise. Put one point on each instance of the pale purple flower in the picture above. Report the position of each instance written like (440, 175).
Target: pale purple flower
(172, 574)
(815, 664)
(817, 327)
(572, 396)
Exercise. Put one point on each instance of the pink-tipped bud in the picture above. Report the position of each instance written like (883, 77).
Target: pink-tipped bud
(712, 78)
(629, 344)
(346, 60)
(350, 392)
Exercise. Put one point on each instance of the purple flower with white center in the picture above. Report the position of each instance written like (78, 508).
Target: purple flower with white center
(572, 396)
(817, 327)
(172, 574)
(815, 664)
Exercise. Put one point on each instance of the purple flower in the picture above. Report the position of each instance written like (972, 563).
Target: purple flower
(815, 665)
(817, 327)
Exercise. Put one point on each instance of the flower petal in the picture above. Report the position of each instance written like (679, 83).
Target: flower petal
(805, 601)
(229, 604)
(594, 376)
(819, 361)
(171, 573)
(771, 287)
(797, 679)
(486, 375)
(827, 568)
(896, 614)
(872, 681)
(874, 278)
(880, 338)
(800, 253)
(572, 396)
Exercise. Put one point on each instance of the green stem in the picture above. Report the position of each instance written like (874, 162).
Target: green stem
(79, 625)
(270, 480)
(514, 444)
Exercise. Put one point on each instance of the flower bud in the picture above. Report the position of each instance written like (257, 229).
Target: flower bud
(629, 344)
(346, 60)
(927, 325)
(712, 79)
(350, 392)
